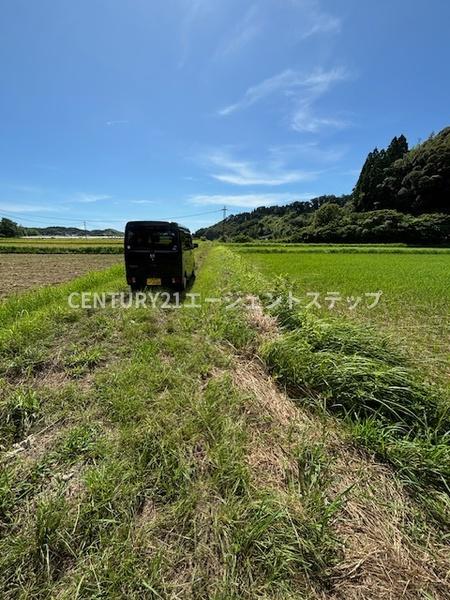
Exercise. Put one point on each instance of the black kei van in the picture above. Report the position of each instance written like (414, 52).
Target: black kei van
(158, 253)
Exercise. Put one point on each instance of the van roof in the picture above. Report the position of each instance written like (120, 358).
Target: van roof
(157, 223)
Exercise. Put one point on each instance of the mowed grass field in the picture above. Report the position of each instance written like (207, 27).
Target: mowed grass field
(414, 307)
(225, 452)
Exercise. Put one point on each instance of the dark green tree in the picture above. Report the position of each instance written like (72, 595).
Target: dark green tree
(370, 192)
(327, 214)
(396, 149)
(9, 228)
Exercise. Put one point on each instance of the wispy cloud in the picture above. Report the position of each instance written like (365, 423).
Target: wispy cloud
(320, 80)
(26, 189)
(116, 122)
(248, 200)
(285, 80)
(289, 82)
(310, 152)
(193, 11)
(248, 28)
(303, 91)
(303, 119)
(142, 201)
(238, 172)
(316, 20)
(322, 23)
(14, 207)
(88, 198)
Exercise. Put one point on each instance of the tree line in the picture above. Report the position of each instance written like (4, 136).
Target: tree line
(401, 195)
(11, 229)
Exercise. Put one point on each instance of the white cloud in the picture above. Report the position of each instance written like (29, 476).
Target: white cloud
(289, 82)
(304, 117)
(249, 27)
(194, 10)
(88, 198)
(323, 23)
(316, 20)
(238, 172)
(285, 80)
(320, 80)
(142, 201)
(117, 122)
(310, 151)
(247, 177)
(304, 120)
(25, 208)
(248, 200)
(27, 189)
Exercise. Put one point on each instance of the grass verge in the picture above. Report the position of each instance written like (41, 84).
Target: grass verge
(125, 469)
(146, 453)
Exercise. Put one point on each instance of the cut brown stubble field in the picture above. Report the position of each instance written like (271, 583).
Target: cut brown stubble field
(20, 272)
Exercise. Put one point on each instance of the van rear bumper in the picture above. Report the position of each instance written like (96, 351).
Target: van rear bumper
(164, 280)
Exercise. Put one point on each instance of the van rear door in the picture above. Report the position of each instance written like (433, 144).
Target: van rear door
(152, 252)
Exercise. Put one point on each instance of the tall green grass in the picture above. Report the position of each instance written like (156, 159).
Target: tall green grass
(358, 374)
(361, 377)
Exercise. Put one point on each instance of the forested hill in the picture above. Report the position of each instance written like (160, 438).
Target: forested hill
(10, 228)
(401, 195)
(73, 231)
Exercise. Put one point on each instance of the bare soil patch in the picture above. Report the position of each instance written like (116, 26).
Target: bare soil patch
(20, 272)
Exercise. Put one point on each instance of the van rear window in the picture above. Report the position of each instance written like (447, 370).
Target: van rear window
(149, 238)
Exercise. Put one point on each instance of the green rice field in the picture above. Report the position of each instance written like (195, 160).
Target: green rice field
(414, 307)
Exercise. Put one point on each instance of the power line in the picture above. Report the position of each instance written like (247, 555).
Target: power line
(73, 219)
(40, 218)
(208, 212)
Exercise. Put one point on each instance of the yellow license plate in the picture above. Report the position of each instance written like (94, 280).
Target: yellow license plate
(154, 281)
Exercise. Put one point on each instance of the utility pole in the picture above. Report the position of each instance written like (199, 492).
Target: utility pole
(85, 230)
(224, 210)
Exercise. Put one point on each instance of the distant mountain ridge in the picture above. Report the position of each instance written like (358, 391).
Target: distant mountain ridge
(9, 228)
(71, 231)
(401, 195)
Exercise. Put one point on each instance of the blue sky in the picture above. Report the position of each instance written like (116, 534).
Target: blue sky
(112, 110)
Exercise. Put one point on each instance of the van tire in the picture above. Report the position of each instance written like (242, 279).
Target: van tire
(181, 287)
